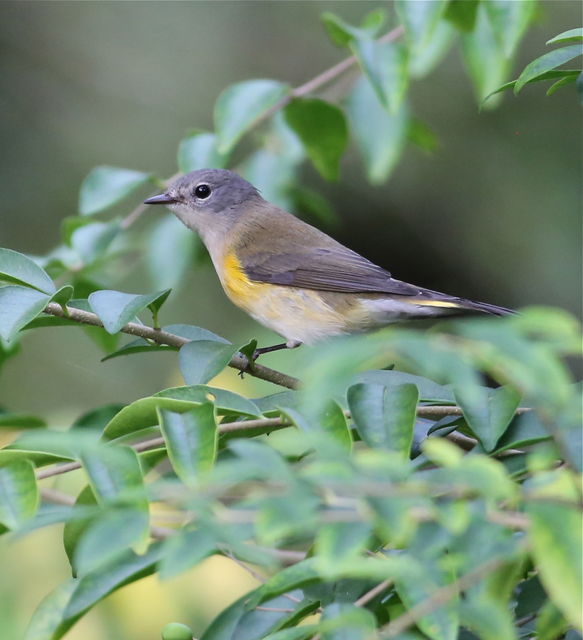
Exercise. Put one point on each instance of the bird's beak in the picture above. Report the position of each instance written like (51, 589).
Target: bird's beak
(163, 198)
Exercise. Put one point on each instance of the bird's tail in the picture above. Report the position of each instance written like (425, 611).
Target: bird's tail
(449, 305)
(484, 307)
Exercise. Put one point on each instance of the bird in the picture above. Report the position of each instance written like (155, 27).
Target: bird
(290, 276)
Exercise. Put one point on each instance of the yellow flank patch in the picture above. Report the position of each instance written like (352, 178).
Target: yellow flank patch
(436, 303)
(242, 291)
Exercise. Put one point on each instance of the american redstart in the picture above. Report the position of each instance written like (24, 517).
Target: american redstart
(290, 276)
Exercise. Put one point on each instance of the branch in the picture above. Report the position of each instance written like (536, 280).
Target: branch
(238, 361)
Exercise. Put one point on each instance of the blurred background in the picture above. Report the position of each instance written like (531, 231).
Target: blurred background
(493, 214)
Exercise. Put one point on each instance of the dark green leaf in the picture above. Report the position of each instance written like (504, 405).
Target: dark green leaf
(240, 105)
(105, 186)
(549, 75)
(462, 13)
(299, 574)
(199, 151)
(18, 306)
(20, 421)
(380, 135)
(547, 62)
(19, 496)
(115, 309)
(572, 35)
(312, 205)
(139, 345)
(19, 269)
(227, 402)
(322, 129)
(550, 622)
(191, 440)
(384, 416)
(561, 83)
(202, 360)
(190, 332)
(488, 411)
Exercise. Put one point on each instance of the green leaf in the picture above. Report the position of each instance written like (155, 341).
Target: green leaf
(272, 173)
(293, 577)
(557, 541)
(191, 440)
(172, 249)
(547, 62)
(199, 151)
(322, 129)
(550, 622)
(184, 550)
(565, 80)
(20, 421)
(190, 332)
(19, 496)
(105, 186)
(487, 411)
(48, 617)
(202, 360)
(18, 306)
(19, 269)
(339, 31)
(462, 13)
(115, 309)
(420, 19)
(84, 513)
(384, 416)
(381, 136)
(509, 21)
(429, 391)
(334, 422)
(549, 75)
(139, 345)
(484, 58)
(240, 105)
(92, 240)
(572, 35)
(345, 621)
(227, 402)
(339, 541)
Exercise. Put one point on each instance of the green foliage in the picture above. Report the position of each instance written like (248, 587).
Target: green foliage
(413, 501)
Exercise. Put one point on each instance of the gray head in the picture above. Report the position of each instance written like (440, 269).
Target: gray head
(208, 200)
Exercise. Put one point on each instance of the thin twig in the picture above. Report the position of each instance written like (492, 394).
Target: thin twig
(238, 361)
(373, 593)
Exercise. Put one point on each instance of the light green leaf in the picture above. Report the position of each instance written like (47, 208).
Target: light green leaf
(172, 250)
(18, 306)
(105, 186)
(484, 58)
(202, 360)
(199, 151)
(384, 416)
(20, 421)
(184, 550)
(425, 60)
(334, 422)
(338, 541)
(487, 411)
(272, 173)
(19, 269)
(547, 62)
(227, 402)
(190, 332)
(572, 35)
(420, 19)
(92, 240)
(380, 135)
(550, 622)
(462, 13)
(115, 308)
(47, 621)
(345, 621)
(565, 80)
(322, 129)
(19, 496)
(240, 105)
(509, 20)
(191, 440)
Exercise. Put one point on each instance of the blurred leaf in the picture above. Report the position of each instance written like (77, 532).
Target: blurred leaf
(91, 241)
(420, 19)
(184, 550)
(19, 495)
(485, 60)
(345, 621)
(313, 206)
(84, 512)
(550, 623)
(199, 151)
(547, 62)
(462, 13)
(384, 416)
(202, 360)
(240, 105)
(272, 173)
(524, 429)
(420, 134)
(19, 269)
(489, 618)
(172, 248)
(322, 129)
(47, 621)
(509, 21)
(487, 411)
(20, 421)
(380, 135)
(422, 61)
(429, 391)
(191, 440)
(338, 541)
(287, 579)
(105, 186)
(115, 308)
(530, 597)
(18, 306)
(557, 541)
(335, 423)
(572, 35)
(226, 402)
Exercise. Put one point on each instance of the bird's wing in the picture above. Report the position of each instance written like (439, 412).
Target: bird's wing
(334, 268)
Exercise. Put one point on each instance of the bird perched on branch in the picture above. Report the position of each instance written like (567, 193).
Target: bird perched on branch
(290, 276)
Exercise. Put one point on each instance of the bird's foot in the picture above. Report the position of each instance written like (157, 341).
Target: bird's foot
(290, 344)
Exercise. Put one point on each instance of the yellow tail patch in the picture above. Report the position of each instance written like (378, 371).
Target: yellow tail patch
(436, 303)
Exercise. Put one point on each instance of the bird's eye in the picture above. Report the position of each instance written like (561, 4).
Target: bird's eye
(202, 191)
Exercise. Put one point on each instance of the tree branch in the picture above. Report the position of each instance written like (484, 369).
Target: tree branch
(238, 361)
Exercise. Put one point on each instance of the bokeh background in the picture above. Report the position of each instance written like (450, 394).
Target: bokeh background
(493, 214)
